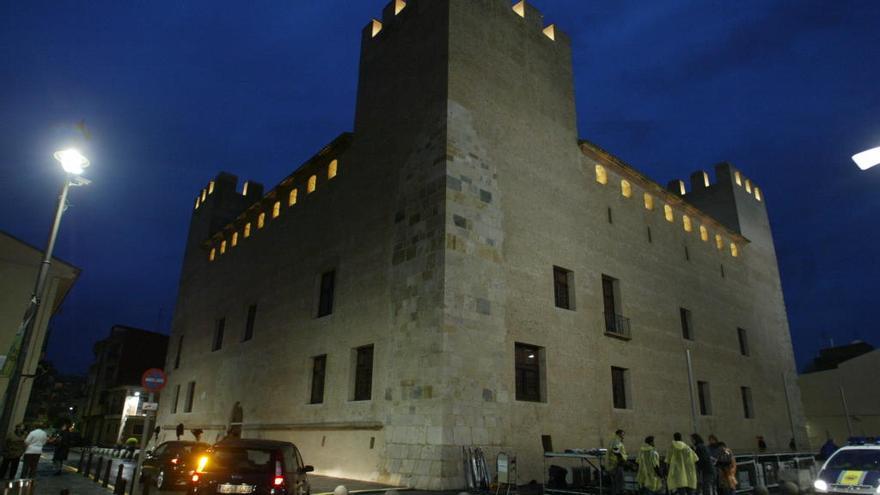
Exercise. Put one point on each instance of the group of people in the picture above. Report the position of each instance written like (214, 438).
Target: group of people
(686, 469)
(26, 449)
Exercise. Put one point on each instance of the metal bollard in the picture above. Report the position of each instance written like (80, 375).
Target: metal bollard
(107, 473)
(119, 485)
(88, 466)
(97, 475)
(134, 481)
(82, 457)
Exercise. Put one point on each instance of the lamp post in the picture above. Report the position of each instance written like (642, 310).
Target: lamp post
(74, 164)
(867, 159)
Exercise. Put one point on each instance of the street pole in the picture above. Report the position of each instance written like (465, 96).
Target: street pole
(695, 423)
(145, 437)
(26, 329)
(788, 407)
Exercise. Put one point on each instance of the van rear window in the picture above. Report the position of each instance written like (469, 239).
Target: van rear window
(241, 460)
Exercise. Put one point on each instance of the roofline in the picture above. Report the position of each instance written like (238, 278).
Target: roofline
(43, 250)
(623, 168)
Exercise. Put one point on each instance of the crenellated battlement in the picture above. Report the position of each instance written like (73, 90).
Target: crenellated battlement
(262, 209)
(725, 174)
(396, 12)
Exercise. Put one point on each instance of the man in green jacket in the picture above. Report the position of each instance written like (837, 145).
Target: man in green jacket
(616, 462)
(648, 476)
(682, 460)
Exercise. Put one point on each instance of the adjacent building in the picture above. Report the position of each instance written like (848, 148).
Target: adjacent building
(463, 270)
(19, 265)
(838, 392)
(112, 411)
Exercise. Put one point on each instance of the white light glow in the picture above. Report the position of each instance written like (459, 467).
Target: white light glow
(867, 159)
(820, 486)
(72, 161)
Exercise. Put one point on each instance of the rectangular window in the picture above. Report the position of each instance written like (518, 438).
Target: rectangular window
(249, 326)
(217, 344)
(190, 396)
(563, 287)
(615, 322)
(363, 373)
(325, 296)
(687, 328)
(528, 372)
(705, 398)
(748, 408)
(319, 367)
(177, 353)
(620, 387)
(176, 399)
(743, 341)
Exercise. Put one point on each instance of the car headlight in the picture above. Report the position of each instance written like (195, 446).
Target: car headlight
(878, 490)
(820, 486)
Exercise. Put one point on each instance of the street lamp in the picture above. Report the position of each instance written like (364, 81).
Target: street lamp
(74, 164)
(867, 159)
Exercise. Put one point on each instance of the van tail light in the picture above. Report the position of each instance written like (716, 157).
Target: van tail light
(279, 480)
(175, 461)
(195, 478)
(279, 474)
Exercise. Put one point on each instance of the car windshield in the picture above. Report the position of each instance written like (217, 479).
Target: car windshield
(240, 460)
(855, 460)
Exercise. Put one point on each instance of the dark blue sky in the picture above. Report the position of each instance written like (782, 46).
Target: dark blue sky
(175, 91)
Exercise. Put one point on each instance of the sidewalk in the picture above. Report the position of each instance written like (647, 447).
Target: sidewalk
(47, 483)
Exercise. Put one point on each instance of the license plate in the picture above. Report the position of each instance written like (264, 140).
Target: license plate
(230, 488)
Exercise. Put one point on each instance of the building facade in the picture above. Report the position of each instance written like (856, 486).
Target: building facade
(463, 270)
(112, 411)
(836, 397)
(19, 265)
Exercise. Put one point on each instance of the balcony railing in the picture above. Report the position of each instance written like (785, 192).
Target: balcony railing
(617, 326)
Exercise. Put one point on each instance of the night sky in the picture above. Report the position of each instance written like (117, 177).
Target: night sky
(173, 92)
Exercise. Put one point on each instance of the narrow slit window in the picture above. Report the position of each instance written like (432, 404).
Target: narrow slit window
(520, 8)
(704, 233)
(719, 242)
(244, 188)
(649, 202)
(363, 375)
(211, 187)
(734, 250)
(377, 28)
(213, 254)
(550, 32)
(667, 210)
(223, 247)
(332, 169)
(620, 387)
(748, 186)
(626, 189)
(204, 195)
(758, 195)
(276, 209)
(687, 224)
(247, 230)
(601, 175)
(399, 5)
(313, 183)
(198, 202)
(706, 182)
(234, 239)
(291, 199)
(319, 368)
(738, 177)
(705, 398)
(261, 220)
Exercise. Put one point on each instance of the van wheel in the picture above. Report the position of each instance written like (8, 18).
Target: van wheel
(160, 480)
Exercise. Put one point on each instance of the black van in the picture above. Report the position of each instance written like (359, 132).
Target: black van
(258, 467)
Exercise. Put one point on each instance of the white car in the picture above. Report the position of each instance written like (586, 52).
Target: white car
(852, 470)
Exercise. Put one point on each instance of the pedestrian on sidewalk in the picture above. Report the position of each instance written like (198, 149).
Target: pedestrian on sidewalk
(62, 448)
(34, 443)
(705, 466)
(682, 460)
(648, 477)
(726, 464)
(616, 462)
(12, 455)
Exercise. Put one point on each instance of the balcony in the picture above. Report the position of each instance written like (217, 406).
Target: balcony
(617, 326)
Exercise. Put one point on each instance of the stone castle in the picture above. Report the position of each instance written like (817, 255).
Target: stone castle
(462, 270)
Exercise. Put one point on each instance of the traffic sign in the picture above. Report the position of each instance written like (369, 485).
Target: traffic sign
(150, 406)
(153, 380)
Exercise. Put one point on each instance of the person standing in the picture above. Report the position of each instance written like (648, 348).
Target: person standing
(648, 476)
(726, 465)
(616, 462)
(682, 460)
(34, 443)
(705, 466)
(12, 455)
(62, 448)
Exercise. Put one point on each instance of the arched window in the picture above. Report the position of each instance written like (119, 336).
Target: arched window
(738, 177)
(704, 233)
(758, 194)
(748, 186)
(601, 175)
(247, 230)
(719, 242)
(313, 182)
(261, 220)
(211, 187)
(276, 209)
(213, 254)
(223, 247)
(686, 222)
(734, 250)
(667, 210)
(291, 200)
(204, 195)
(649, 202)
(626, 189)
(234, 239)
(332, 169)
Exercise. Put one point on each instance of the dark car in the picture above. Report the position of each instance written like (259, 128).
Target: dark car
(259, 467)
(171, 464)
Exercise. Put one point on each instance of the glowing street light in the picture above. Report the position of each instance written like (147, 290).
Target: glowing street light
(867, 159)
(74, 163)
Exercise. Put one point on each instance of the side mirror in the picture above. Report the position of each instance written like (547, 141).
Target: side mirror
(306, 469)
